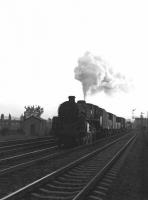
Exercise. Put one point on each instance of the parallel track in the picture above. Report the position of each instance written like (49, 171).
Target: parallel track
(23, 141)
(11, 163)
(16, 155)
(25, 144)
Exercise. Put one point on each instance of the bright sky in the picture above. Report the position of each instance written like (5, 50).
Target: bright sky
(41, 41)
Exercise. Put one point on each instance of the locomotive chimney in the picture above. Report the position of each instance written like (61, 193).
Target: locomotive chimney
(72, 99)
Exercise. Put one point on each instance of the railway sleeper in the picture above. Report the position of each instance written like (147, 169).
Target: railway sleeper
(101, 188)
(63, 184)
(108, 180)
(62, 179)
(99, 193)
(85, 171)
(113, 173)
(55, 192)
(111, 177)
(62, 188)
(36, 196)
(88, 167)
(93, 197)
(105, 184)
(75, 176)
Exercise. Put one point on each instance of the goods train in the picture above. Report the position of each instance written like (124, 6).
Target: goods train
(81, 123)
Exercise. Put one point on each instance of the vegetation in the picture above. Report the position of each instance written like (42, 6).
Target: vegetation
(36, 111)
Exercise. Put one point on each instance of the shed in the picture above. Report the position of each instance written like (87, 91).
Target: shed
(34, 126)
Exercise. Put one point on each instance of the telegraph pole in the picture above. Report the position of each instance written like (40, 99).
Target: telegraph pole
(147, 120)
(141, 116)
(133, 117)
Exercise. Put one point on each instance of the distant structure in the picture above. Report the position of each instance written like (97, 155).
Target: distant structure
(36, 126)
(9, 123)
(129, 124)
(32, 126)
(140, 122)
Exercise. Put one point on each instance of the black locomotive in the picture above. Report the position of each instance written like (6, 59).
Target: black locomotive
(82, 123)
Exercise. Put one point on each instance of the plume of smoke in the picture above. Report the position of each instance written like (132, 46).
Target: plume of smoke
(96, 76)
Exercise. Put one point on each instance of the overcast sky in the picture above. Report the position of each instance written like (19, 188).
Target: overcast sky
(42, 40)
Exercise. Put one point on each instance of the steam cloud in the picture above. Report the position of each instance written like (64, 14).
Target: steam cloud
(96, 76)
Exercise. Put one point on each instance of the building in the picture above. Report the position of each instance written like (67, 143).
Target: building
(129, 124)
(140, 122)
(9, 123)
(31, 126)
(35, 126)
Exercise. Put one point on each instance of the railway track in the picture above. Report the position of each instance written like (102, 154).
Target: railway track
(23, 141)
(98, 187)
(16, 155)
(25, 145)
(10, 163)
(20, 161)
(73, 180)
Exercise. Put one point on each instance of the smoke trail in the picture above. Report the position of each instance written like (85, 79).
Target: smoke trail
(96, 76)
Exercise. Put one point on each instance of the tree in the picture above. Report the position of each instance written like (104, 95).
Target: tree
(9, 117)
(2, 116)
(36, 111)
(22, 117)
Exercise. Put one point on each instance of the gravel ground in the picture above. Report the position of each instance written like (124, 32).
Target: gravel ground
(132, 181)
(16, 136)
(15, 180)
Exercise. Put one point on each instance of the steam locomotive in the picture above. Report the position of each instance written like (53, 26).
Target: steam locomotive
(82, 123)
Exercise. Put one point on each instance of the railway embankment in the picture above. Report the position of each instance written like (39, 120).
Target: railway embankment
(132, 180)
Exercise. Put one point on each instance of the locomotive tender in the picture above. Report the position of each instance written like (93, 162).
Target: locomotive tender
(82, 123)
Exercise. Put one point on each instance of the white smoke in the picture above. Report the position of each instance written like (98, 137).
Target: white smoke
(96, 76)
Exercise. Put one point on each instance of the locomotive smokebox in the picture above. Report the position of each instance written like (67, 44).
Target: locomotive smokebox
(72, 99)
